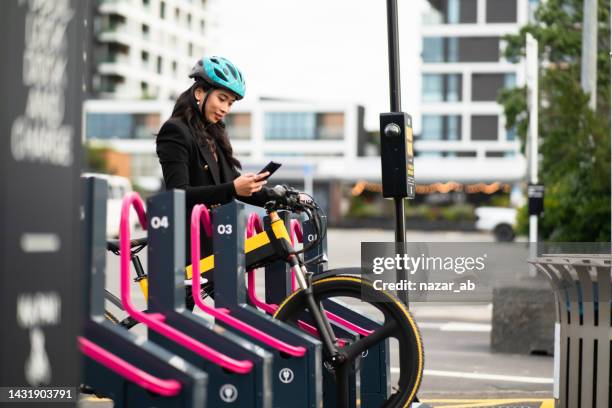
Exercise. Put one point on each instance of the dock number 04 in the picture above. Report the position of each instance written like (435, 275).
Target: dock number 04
(157, 222)
(224, 229)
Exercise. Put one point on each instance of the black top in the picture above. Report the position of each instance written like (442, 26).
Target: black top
(189, 165)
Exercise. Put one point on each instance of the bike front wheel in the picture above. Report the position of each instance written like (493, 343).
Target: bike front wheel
(395, 320)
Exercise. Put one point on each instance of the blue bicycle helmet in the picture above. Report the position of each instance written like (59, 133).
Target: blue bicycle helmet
(220, 73)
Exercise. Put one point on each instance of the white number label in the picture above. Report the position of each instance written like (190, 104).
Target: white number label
(225, 229)
(311, 237)
(157, 222)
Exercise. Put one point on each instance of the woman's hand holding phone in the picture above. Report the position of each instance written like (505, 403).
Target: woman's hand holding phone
(249, 183)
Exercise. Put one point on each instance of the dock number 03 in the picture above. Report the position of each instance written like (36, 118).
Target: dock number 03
(225, 229)
(157, 222)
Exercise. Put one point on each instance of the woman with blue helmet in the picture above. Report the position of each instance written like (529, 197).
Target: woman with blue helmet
(194, 149)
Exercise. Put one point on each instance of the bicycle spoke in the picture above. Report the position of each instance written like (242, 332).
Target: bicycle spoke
(376, 337)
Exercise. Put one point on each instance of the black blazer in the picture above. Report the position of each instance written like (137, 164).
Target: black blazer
(189, 165)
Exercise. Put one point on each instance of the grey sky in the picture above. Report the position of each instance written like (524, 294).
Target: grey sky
(319, 50)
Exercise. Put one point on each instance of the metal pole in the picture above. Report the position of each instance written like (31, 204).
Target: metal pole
(532, 64)
(396, 102)
(588, 68)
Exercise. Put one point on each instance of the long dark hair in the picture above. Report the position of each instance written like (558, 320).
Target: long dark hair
(186, 109)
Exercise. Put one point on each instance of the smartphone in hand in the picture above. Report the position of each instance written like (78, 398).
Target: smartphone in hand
(271, 168)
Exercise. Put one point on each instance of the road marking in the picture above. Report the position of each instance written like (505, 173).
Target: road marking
(482, 376)
(96, 399)
(466, 327)
(478, 403)
(456, 327)
(32, 242)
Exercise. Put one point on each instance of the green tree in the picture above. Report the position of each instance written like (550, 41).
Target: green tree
(95, 160)
(574, 140)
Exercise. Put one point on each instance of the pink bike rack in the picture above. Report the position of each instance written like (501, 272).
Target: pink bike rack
(201, 215)
(166, 388)
(156, 321)
(255, 226)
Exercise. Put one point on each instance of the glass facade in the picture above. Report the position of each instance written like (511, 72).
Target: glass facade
(484, 127)
(121, 125)
(433, 49)
(501, 11)
(450, 12)
(289, 125)
(441, 127)
(303, 126)
(441, 87)
(486, 87)
(460, 49)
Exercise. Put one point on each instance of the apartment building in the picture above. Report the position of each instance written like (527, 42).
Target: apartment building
(143, 49)
(462, 125)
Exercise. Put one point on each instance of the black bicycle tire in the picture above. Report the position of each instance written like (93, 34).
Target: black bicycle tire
(411, 369)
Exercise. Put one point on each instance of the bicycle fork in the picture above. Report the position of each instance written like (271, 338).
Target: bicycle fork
(337, 359)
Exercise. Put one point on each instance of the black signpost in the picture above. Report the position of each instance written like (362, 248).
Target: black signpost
(40, 147)
(396, 144)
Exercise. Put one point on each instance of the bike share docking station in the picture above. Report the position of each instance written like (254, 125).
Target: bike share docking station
(375, 363)
(134, 372)
(370, 381)
(288, 370)
(245, 382)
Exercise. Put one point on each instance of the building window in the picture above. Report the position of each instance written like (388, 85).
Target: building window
(478, 49)
(501, 11)
(159, 65)
(146, 3)
(174, 67)
(162, 10)
(289, 125)
(109, 83)
(460, 49)
(144, 56)
(427, 153)
(238, 125)
(189, 20)
(202, 26)
(190, 49)
(484, 127)
(441, 127)
(433, 49)
(486, 87)
(144, 90)
(177, 14)
(441, 87)
(145, 31)
(450, 12)
(121, 125)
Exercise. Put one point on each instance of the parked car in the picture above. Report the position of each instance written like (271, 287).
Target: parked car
(499, 220)
(118, 188)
